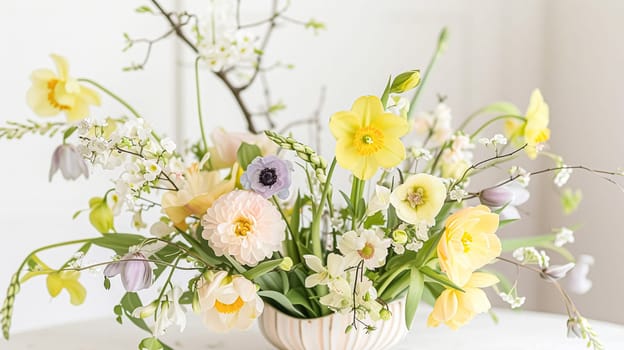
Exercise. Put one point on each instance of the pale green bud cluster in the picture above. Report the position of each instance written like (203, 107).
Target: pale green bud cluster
(306, 153)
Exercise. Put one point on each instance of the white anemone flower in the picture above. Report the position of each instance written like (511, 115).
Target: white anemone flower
(369, 246)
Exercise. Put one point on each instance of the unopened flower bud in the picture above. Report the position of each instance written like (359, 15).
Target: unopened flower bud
(496, 197)
(286, 264)
(558, 271)
(348, 329)
(67, 159)
(195, 305)
(385, 314)
(399, 236)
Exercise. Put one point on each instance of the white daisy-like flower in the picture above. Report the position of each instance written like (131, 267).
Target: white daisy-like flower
(228, 302)
(367, 245)
(323, 276)
(245, 225)
(152, 170)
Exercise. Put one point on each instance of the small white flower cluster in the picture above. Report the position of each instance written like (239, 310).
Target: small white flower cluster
(562, 176)
(512, 298)
(221, 44)
(498, 139)
(409, 237)
(564, 235)
(524, 177)
(128, 145)
(458, 194)
(530, 255)
(436, 122)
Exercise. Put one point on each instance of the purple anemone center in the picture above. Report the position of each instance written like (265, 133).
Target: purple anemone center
(268, 177)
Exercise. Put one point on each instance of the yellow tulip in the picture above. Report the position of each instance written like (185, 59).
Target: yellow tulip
(52, 93)
(68, 280)
(199, 190)
(368, 138)
(536, 129)
(468, 242)
(455, 308)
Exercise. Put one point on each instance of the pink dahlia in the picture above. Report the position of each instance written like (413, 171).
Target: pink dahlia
(245, 225)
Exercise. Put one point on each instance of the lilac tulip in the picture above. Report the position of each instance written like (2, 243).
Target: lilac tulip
(69, 161)
(136, 273)
(268, 176)
(509, 195)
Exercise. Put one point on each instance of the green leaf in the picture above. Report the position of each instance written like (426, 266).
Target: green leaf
(262, 268)
(432, 292)
(282, 301)
(119, 242)
(376, 219)
(118, 310)
(439, 277)
(186, 298)
(428, 250)
(298, 297)
(129, 302)
(247, 153)
(69, 132)
(414, 294)
(144, 9)
(405, 82)
(150, 344)
(107, 283)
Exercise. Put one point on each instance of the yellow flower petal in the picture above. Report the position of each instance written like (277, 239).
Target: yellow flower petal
(482, 280)
(393, 153)
(392, 125)
(367, 107)
(68, 280)
(343, 124)
(62, 67)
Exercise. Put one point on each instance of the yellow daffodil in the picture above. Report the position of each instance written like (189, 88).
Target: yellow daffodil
(419, 199)
(368, 138)
(68, 280)
(199, 190)
(455, 308)
(468, 242)
(52, 93)
(536, 129)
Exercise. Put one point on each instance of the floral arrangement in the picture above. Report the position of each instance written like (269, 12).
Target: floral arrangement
(258, 218)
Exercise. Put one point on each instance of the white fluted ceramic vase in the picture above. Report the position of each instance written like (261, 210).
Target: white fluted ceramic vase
(328, 333)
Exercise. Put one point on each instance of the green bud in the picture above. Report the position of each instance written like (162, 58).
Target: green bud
(385, 314)
(399, 236)
(101, 215)
(348, 329)
(195, 305)
(286, 264)
(442, 41)
(405, 81)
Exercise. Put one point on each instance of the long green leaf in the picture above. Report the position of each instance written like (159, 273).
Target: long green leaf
(440, 278)
(262, 269)
(281, 300)
(414, 294)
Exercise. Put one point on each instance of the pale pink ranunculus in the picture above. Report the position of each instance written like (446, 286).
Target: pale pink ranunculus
(244, 225)
(226, 144)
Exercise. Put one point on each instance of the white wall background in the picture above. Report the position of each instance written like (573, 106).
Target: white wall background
(497, 51)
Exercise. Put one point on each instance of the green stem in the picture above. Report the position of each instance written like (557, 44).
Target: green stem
(489, 122)
(118, 99)
(357, 189)
(199, 109)
(315, 228)
(291, 244)
(51, 246)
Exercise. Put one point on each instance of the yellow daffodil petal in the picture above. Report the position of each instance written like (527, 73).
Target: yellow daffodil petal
(343, 124)
(367, 108)
(62, 67)
(536, 128)
(393, 153)
(391, 124)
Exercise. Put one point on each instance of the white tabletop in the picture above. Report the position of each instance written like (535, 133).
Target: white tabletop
(517, 330)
